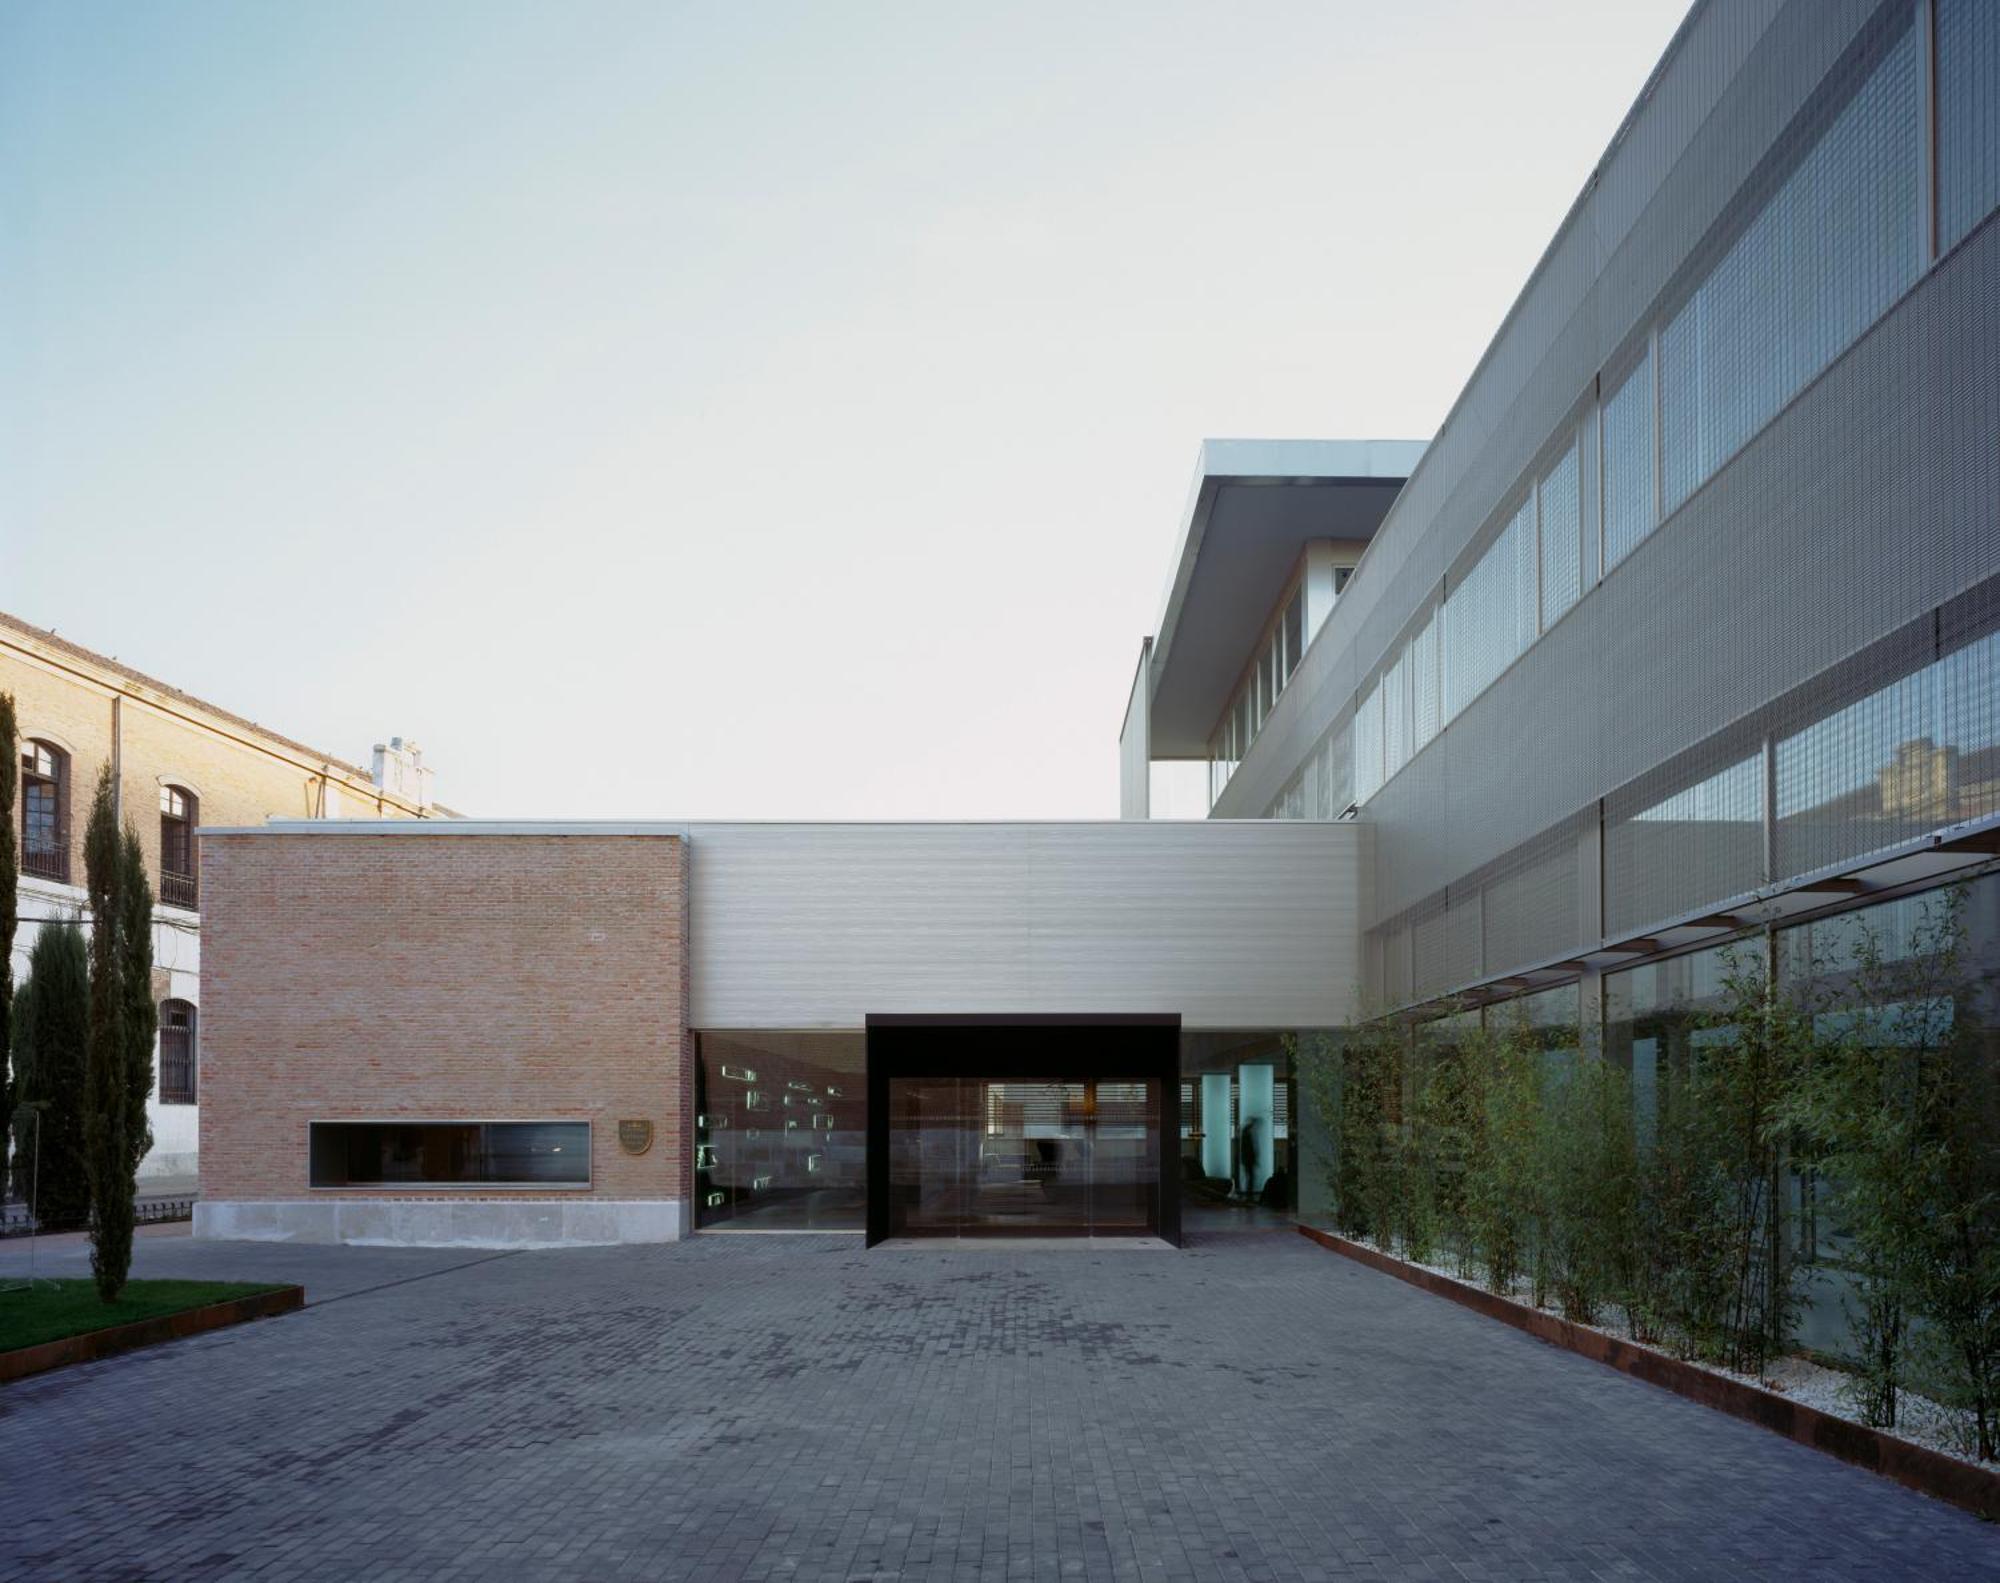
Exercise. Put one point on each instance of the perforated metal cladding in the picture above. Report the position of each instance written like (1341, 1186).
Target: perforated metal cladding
(1561, 506)
(1465, 933)
(1866, 505)
(1775, 600)
(1430, 951)
(1968, 73)
(1529, 904)
(1826, 247)
(1628, 462)
(1897, 742)
(1685, 836)
(1704, 124)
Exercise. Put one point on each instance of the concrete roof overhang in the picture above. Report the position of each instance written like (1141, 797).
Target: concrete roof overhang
(1253, 507)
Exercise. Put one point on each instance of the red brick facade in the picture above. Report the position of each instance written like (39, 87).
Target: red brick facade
(443, 976)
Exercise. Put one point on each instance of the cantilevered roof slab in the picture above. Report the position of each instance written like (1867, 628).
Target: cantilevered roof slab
(1254, 506)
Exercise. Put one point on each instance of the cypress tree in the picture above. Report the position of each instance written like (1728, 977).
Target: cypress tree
(135, 971)
(107, 1097)
(49, 1038)
(20, 1040)
(10, 780)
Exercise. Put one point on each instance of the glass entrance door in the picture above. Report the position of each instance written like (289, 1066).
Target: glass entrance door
(971, 1156)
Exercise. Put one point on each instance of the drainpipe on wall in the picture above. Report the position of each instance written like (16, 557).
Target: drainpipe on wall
(118, 760)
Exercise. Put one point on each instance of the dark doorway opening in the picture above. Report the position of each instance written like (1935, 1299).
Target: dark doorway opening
(1023, 1126)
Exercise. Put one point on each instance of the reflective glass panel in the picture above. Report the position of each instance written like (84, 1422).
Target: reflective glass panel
(781, 1130)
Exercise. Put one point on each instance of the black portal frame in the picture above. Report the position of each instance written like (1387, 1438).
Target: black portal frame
(1111, 1048)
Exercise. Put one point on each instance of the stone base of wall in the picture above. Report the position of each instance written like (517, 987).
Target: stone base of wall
(376, 1222)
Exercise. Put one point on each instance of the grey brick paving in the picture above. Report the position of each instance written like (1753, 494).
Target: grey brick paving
(791, 1407)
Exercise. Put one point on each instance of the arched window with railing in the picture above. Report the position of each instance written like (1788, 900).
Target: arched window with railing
(179, 1058)
(180, 813)
(45, 811)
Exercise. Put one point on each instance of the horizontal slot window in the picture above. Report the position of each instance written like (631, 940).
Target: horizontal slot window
(450, 1153)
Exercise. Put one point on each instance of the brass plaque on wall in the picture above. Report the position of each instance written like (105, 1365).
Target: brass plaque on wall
(635, 1137)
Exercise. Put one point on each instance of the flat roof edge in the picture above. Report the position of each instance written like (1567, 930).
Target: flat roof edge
(688, 827)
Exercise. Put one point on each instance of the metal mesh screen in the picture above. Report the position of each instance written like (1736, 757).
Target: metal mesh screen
(1562, 537)
(1490, 614)
(1895, 743)
(1430, 951)
(1529, 904)
(1628, 463)
(1968, 90)
(1818, 585)
(1684, 837)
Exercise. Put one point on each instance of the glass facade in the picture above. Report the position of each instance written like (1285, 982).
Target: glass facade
(1275, 658)
(1830, 240)
(781, 1131)
(1674, 843)
(1561, 510)
(1490, 616)
(971, 1156)
(1909, 755)
(1238, 1136)
(449, 1153)
(1626, 435)
(1915, 972)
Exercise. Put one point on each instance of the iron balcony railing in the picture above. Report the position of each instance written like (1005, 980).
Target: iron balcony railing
(46, 860)
(179, 890)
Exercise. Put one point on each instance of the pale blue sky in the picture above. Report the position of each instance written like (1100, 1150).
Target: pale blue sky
(742, 410)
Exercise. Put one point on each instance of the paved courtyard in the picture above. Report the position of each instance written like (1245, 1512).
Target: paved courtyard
(792, 1407)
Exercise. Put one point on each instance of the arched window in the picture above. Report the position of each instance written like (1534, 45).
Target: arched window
(45, 811)
(179, 811)
(177, 1053)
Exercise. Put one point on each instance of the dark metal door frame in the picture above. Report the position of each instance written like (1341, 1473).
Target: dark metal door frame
(1137, 1047)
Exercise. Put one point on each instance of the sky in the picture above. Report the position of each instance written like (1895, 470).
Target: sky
(741, 411)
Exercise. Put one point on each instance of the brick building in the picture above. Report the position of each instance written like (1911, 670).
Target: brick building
(179, 764)
(1678, 643)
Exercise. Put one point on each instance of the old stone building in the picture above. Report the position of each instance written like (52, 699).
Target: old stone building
(179, 763)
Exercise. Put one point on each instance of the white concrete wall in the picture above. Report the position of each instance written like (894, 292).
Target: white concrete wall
(1135, 743)
(1231, 924)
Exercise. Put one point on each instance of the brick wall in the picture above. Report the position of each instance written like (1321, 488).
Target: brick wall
(442, 976)
(241, 775)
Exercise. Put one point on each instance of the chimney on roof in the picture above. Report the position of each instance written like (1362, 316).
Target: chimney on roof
(399, 770)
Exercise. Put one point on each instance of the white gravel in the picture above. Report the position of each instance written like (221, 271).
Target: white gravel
(1919, 1420)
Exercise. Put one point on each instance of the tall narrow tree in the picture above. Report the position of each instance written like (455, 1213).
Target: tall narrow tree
(135, 972)
(107, 1097)
(54, 1027)
(10, 780)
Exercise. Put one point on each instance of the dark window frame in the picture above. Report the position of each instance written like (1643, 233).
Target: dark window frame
(322, 1148)
(180, 1053)
(45, 774)
(180, 817)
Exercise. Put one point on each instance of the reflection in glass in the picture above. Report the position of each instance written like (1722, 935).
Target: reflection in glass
(754, 1172)
(971, 1156)
(1238, 1144)
(1912, 756)
(449, 1153)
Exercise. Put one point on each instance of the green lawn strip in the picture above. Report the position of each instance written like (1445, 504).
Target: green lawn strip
(71, 1308)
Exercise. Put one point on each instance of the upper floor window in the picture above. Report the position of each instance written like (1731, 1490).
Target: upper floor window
(178, 816)
(45, 811)
(177, 1053)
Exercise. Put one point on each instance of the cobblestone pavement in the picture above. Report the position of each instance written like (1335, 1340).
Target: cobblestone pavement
(792, 1407)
